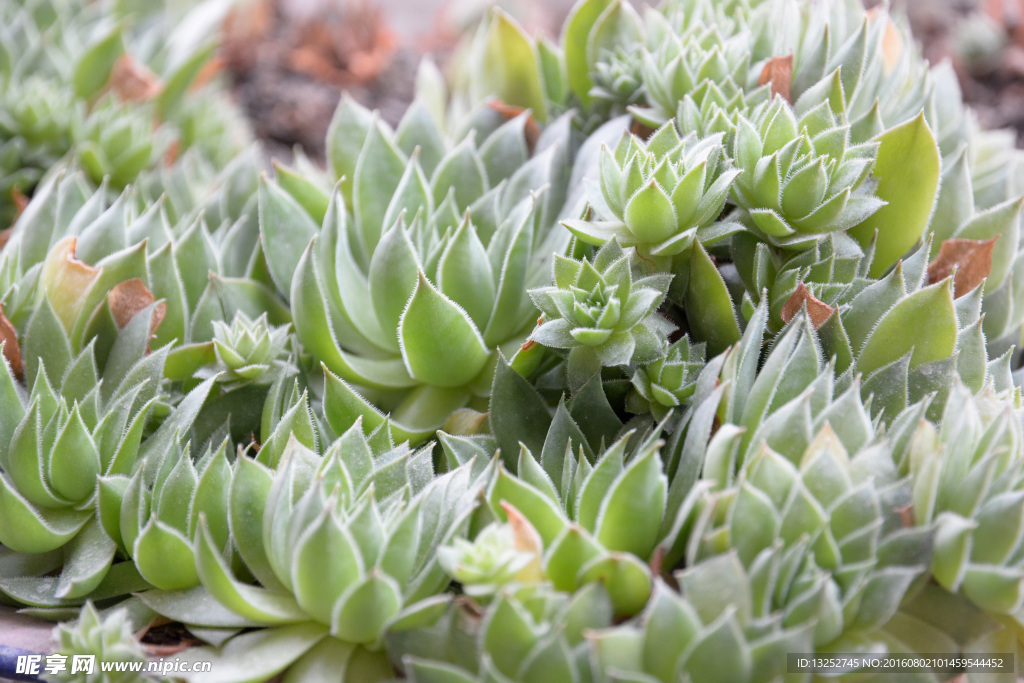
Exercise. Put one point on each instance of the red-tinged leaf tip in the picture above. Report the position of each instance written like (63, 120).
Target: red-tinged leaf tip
(12, 350)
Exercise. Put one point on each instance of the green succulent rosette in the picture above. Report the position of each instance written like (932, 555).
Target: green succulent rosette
(344, 548)
(600, 314)
(660, 195)
(967, 483)
(801, 176)
(61, 437)
(533, 634)
(75, 245)
(500, 555)
(143, 514)
(666, 382)
(594, 521)
(698, 60)
(248, 351)
(117, 143)
(409, 297)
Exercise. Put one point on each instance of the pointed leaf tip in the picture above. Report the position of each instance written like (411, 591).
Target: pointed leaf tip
(440, 344)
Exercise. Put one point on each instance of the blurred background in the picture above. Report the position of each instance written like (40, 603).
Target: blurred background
(289, 60)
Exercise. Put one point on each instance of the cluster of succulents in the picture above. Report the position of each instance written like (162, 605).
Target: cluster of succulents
(654, 354)
(100, 88)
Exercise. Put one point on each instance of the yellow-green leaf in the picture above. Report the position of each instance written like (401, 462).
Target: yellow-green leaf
(440, 344)
(908, 169)
(709, 309)
(577, 30)
(925, 322)
(512, 63)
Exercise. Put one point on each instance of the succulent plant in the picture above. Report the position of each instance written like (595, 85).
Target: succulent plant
(594, 522)
(666, 382)
(529, 635)
(600, 314)
(379, 517)
(116, 143)
(38, 113)
(848, 559)
(94, 242)
(106, 637)
(71, 80)
(143, 514)
(248, 351)
(65, 434)
(618, 77)
(770, 405)
(923, 300)
(983, 242)
(967, 483)
(661, 195)
(500, 555)
(688, 62)
(831, 271)
(409, 299)
(801, 177)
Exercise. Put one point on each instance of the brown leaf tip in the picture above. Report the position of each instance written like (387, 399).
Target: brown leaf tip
(20, 202)
(130, 298)
(970, 259)
(641, 130)
(819, 311)
(892, 41)
(70, 248)
(12, 350)
(906, 514)
(134, 82)
(779, 72)
(508, 112)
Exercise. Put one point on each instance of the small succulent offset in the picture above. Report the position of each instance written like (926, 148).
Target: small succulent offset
(661, 195)
(248, 351)
(500, 555)
(668, 381)
(107, 638)
(601, 314)
(116, 143)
